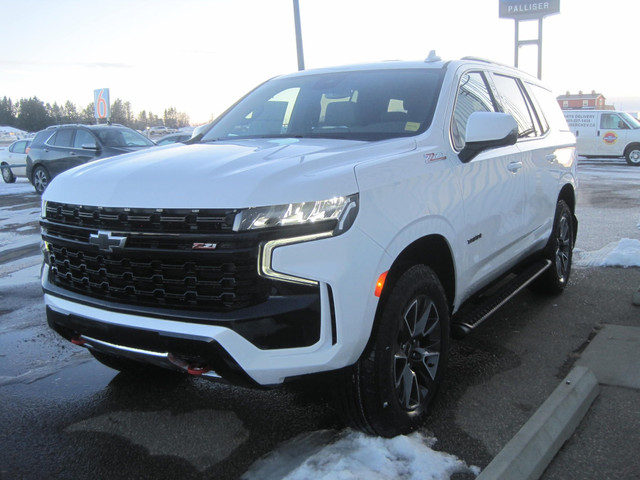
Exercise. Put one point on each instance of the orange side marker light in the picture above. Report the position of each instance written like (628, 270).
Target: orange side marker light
(380, 284)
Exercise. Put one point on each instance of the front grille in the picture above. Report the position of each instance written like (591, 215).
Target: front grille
(158, 265)
(142, 219)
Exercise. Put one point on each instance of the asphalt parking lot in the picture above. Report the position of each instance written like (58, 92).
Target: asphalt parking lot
(65, 416)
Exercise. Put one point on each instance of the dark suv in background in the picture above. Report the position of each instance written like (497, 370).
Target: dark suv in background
(61, 147)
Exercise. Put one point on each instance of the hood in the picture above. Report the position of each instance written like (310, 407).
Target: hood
(238, 174)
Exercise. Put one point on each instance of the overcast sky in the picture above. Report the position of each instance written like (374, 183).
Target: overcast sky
(199, 56)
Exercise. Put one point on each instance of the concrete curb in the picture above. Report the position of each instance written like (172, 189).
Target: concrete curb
(530, 451)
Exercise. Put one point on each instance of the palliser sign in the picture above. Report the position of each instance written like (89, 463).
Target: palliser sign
(528, 9)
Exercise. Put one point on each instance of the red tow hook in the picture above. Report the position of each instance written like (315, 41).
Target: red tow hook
(197, 368)
(78, 340)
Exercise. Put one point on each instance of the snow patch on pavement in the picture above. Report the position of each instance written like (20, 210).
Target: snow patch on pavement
(21, 272)
(623, 253)
(21, 185)
(344, 455)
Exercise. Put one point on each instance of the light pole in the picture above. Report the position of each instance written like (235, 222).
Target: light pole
(296, 15)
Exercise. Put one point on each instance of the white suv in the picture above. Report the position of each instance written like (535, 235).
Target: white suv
(332, 220)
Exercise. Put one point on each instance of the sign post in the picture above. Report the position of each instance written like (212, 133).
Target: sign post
(523, 10)
(296, 18)
(101, 104)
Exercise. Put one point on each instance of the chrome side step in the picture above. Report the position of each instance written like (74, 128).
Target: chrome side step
(462, 325)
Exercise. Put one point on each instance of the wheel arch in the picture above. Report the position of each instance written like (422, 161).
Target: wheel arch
(627, 153)
(630, 147)
(433, 251)
(568, 195)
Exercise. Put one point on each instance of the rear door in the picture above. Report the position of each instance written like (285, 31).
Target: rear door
(17, 156)
(57, 155)
(584, 125)
(552, 156)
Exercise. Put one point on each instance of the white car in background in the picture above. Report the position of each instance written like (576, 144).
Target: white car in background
(13, 160)
(159, 131)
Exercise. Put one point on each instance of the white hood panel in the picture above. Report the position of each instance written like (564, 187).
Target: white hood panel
(220, 175)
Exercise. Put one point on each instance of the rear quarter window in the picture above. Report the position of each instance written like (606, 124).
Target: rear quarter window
(549, 106)
(62, 138)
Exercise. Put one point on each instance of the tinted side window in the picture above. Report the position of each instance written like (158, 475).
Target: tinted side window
(83, 138)
(514, 102)
(539, 113)
(550, 108)
(19, 147)
(473, 96)
(132, 139)
(611, 120)
(62, 138)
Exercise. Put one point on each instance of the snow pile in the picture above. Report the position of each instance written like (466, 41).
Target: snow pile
(351, 455)
(623, 253)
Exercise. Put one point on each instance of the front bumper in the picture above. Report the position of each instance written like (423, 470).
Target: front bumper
(265, 344)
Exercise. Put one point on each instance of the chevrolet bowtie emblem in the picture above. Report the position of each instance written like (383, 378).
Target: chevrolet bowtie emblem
(106, 241)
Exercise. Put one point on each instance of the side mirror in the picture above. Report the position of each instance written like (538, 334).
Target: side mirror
(487, 130)
(90, 146)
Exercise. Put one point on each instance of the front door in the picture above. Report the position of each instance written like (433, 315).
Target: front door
(612, 135)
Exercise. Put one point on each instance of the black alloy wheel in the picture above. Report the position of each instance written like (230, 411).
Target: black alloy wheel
(559, 251)
(40, 179)
(389, 390)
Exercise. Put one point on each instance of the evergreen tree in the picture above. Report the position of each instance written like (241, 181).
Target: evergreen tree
(32, 115)
(87, 115)
(118, 112)
(56, 113)
(7, 113)
(70, 113)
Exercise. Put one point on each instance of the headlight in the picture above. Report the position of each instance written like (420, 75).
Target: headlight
(337, 213)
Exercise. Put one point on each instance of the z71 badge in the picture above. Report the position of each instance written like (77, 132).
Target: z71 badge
(434, 157)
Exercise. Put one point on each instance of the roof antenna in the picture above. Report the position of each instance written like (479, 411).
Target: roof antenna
(432, 57)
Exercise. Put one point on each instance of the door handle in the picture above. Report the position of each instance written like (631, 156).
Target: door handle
(551, 158)
(73, 154)
(513, 167)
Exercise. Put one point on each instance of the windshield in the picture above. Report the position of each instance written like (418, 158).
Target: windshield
(358, 105)
(122, 137)
(630, 120)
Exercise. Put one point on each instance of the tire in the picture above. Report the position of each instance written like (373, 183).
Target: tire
(40, 179)
(559, 250)
(7, 174)
(632, 155)
(388, 391)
